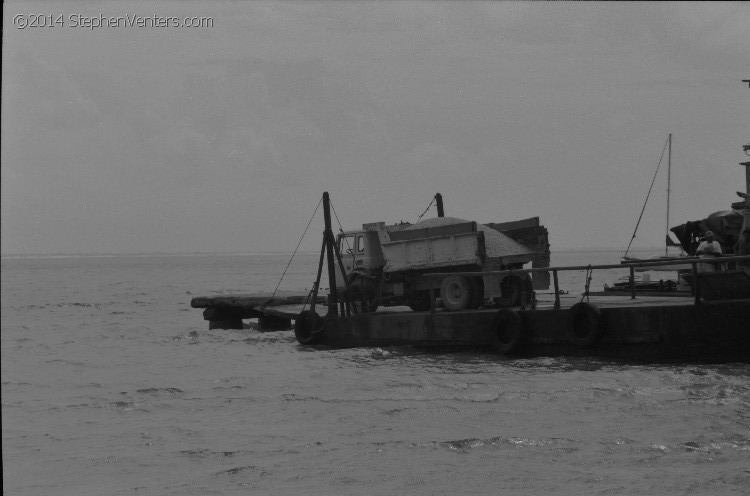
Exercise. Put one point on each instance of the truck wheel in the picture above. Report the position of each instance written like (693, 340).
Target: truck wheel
(457, 292)
(365, 293)
(478, 292)
(510, 289)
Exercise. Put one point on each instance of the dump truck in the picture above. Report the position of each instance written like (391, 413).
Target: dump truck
(387, 264)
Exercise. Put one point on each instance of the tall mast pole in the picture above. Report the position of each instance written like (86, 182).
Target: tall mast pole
(669, 183)
(329, 242)
(746, 149)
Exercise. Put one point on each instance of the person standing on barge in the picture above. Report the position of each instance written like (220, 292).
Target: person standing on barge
(709, 248)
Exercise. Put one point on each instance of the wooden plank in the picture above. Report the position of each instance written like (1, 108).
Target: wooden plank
(249, 301)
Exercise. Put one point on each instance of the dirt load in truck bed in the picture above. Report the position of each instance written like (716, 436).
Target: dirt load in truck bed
(496, 243)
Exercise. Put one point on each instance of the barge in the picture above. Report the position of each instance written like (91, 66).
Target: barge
(712, 324)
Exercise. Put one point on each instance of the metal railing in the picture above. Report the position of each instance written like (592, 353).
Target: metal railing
(693, 261)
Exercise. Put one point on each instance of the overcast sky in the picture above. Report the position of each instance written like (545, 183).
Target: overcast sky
(222, 139)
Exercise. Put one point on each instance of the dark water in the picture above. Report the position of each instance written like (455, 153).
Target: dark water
(113, 385)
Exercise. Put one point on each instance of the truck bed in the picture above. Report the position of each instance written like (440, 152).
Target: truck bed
(445, 246)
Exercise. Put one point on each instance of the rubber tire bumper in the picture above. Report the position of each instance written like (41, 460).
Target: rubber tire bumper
(309, 327)
(584, 324)
(508, 331)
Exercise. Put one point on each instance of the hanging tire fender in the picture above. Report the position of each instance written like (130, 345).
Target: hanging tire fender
(584, 324)
(309, 327)
(508, 331)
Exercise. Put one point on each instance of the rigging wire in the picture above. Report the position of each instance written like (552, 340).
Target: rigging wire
(647, 196)
(341, 228)
(426, 209)
(349, 248)
(295, 250)
(589, 274)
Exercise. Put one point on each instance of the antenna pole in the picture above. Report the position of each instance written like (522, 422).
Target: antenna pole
(653, 180)
(669, 184)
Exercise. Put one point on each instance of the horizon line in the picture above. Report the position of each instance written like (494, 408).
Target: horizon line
(236, 253)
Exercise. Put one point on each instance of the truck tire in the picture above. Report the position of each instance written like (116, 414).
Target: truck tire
(365, 293)
(511, 289)
(458, 292)
(478, 292)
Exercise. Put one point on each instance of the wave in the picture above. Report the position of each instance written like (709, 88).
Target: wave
(557, 444)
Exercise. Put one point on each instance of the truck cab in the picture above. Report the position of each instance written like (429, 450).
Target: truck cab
(361, 252)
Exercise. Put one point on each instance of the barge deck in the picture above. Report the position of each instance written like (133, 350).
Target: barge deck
(644, 329)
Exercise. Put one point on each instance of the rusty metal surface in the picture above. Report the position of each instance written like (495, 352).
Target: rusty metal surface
(249, 300)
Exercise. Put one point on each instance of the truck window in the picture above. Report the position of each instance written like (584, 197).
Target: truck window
(346, 243)
(360, 243)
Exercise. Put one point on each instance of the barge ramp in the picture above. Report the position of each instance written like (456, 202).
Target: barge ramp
(272, 312)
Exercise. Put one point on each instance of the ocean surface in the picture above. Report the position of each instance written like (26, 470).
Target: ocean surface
(113, 385)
